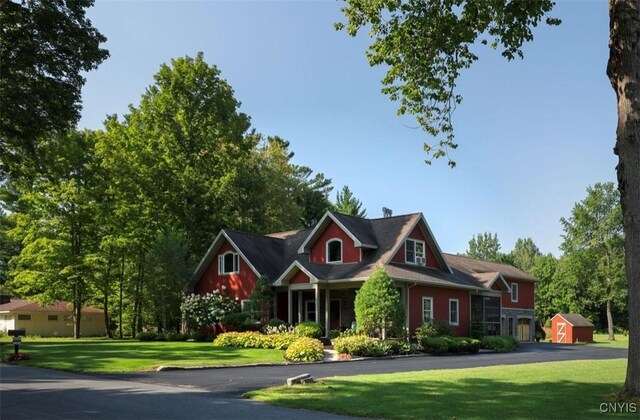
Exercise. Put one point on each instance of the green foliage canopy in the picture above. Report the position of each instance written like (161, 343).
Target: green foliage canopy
(378, 306)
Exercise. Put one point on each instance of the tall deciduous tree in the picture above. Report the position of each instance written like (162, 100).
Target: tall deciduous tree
(347, 203)
(427, 44)
(484, 246)
(524, 254)
(594, 236)
(45, 47)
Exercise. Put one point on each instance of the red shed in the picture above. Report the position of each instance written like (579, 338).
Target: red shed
(569, 328)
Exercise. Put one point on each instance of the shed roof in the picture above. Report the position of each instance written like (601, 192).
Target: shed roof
(21, 305)
(576, 320)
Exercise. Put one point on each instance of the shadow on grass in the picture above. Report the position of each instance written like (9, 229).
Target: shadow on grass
(466, 398)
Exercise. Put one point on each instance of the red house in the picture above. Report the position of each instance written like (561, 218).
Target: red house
(316, 273)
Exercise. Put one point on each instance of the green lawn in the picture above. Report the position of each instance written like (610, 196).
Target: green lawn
(602, 340)
(88, 355)
(572, 390)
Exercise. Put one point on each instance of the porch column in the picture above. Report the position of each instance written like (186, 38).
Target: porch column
(327, 301)
(299, 306)
(290, 305)
(317, 290)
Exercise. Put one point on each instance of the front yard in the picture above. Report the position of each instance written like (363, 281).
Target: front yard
(602, 340)
(100, 355)
(574, 389)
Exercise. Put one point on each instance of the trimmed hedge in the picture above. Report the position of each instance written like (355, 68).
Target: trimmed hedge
(308, 329)
(305, 349)
(363, 346)
(499, 343)
(252, 339)
(440, 345)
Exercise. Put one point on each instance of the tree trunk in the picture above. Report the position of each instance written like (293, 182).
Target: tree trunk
(120, 295)
(105, 298)
(624, 73)
(612, 336)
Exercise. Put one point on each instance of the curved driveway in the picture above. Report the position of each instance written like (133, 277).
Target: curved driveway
(28, 393)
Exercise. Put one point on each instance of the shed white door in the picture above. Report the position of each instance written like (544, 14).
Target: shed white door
(561, 334)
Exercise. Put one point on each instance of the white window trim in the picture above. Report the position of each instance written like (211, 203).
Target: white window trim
(424, 251)
(236, 263)
(457, 301)
(514, 287)
(327, 251)
(430, 299)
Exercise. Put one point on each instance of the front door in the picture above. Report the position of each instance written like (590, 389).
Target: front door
(334, 314)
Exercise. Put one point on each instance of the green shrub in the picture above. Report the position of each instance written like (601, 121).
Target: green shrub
(173, 336)
(477, 330)
(440, 345)
(396, 347)
(161, 337)
(253, 339)
(334, 334)
(499, 343)
(308, 329)
(305, 349)
(237, 321)
(433, 328)
(147, 336)
(378, 306)
(275, 322)
(435, 345)
(357, 345)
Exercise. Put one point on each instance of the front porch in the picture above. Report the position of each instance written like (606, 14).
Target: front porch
(330, 305)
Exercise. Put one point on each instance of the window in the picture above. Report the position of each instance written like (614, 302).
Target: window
(427, 308)
(414, 252)
(310, 310)
(454, 306)
(334, 251)
(23, 317)
(52, 317)
(514, 292)
(228, 263)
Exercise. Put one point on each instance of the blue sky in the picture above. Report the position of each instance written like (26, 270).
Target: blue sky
(533, 133)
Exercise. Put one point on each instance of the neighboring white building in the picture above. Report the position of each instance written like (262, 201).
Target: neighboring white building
(49, 321)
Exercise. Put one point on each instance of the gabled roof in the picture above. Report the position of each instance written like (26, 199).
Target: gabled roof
(473, 266)
(280, 255)
(20, 305)
(357, 228)
(488, 280)
(575, 320)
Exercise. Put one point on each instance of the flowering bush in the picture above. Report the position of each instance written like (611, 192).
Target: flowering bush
(208, 309)
(252, 339)
(280, 329)
(11, 357)
(305, 349)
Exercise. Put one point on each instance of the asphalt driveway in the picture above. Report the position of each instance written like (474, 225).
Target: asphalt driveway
(235, 381)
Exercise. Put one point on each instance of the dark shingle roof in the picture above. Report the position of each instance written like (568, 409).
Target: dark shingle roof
(360, 228)
(265, 253)
(471, 266)
(576, 320)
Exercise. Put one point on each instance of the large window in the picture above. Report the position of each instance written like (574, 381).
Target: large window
(427, 308)
(514, 292)
(485, 312)
(454, 308)
(228, 263)
(414, 252)
(334, 251)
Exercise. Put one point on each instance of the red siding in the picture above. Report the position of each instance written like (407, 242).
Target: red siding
(239, 285)
(525, 296)
(416, 233)
(441, 298)
(350, 254)
(583, 334)
(300, 277)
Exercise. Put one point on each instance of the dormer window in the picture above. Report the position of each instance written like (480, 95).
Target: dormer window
(334, 251)
(414, 252)
(228, 263)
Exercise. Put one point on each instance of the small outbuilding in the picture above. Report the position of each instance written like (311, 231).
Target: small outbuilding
(570, 328)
